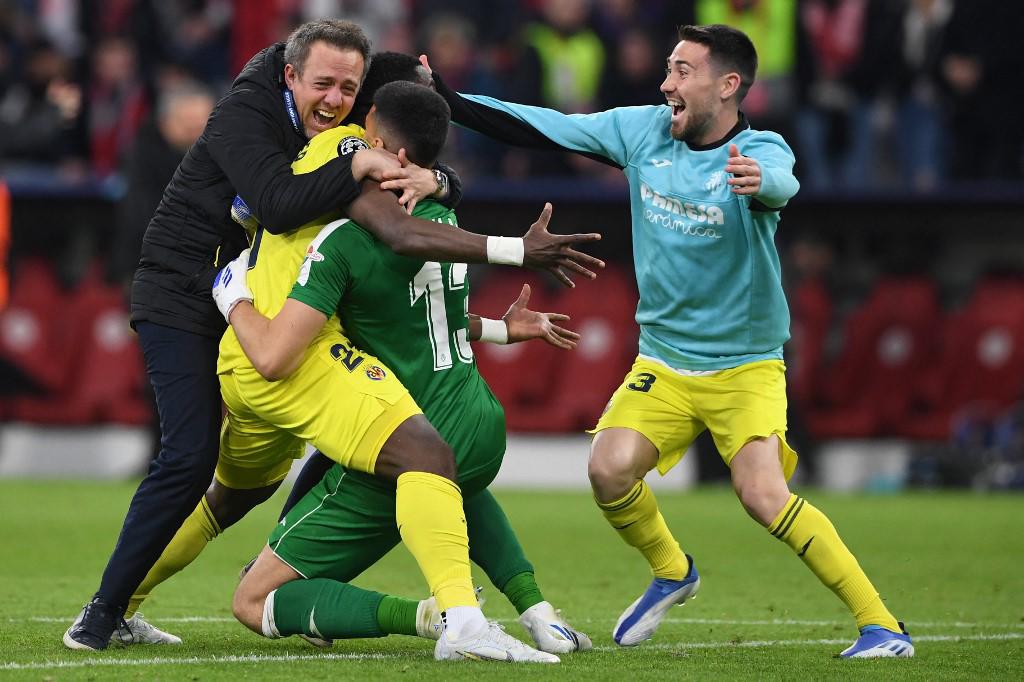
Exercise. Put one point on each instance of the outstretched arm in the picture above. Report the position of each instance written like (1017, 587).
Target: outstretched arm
(539, 249)
(607, 136)
(522, 324)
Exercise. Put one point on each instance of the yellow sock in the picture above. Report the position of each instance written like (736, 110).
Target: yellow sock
(428, 509)
(637, 520)
(812, 536)
(190, 540)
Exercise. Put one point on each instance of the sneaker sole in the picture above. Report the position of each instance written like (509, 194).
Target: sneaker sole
(645, 628)
(881, 651)
(75, 644)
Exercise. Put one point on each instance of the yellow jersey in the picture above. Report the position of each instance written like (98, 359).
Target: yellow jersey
(275, 260)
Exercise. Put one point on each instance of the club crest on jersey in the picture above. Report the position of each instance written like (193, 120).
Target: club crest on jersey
(715, 182)
(351, 145)
(375, 373)
(313, 255)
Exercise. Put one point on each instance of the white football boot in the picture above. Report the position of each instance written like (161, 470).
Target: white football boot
(136, 630)
(490, 643)
(550, 632)
(428, 619)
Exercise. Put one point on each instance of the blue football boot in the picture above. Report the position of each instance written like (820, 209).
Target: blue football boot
(878, 642)
(640, 621)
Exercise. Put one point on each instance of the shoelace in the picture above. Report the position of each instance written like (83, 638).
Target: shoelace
(121, 628)
(119, 624)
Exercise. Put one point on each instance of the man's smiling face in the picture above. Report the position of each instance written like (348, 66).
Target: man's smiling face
(691, 88)
(326, 88)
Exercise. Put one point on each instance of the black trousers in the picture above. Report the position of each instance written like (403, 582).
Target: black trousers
(182, 368)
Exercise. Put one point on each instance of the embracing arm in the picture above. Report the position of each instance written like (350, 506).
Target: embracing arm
(276, 346)
(248, 144)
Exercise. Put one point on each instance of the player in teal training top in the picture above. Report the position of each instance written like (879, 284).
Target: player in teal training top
(413, 316)
(705, 191)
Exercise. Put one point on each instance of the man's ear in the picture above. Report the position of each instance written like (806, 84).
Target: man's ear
(377, 142)
(730, 84)
(290, 75)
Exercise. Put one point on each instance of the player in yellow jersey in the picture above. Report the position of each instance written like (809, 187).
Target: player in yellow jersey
(348, 404)
(269, 422)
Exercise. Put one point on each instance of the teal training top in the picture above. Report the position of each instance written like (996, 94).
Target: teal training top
(706, 265)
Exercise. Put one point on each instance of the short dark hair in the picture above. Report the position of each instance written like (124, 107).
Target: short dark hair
(417, 116)
(729, 49)
(385, 67)
(343, 35)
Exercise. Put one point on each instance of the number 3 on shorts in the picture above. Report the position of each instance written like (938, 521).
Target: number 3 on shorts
(643, 382)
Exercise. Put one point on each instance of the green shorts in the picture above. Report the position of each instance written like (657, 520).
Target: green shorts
(346, 523)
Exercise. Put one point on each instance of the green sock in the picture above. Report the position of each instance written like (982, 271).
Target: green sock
(327, 609)
(522, 590)
(494, 547)
(397, 616)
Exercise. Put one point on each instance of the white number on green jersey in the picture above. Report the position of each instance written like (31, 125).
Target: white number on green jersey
(428, 285)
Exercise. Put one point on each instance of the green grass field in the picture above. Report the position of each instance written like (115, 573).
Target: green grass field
(951, 565)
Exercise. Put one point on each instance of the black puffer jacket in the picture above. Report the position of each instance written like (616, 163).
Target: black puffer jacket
(246, 149)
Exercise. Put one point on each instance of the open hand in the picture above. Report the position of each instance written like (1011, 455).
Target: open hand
(746, 172)
(543, 250)
(525, 324)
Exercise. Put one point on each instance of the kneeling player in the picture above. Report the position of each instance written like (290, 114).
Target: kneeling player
(413, 315)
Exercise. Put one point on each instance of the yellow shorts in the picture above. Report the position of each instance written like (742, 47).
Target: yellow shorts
(671, 410)
(343, 402)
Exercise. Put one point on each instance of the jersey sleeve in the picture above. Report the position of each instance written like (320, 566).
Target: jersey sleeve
(246, 143)
(773, 155)
(331, 266)
(608, 136)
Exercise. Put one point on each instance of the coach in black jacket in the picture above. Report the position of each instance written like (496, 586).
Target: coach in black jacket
(286, 94)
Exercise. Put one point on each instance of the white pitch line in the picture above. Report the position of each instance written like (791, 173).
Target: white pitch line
(684, 621)
(759, 644)
(787, 621)
(254, 658)
(251, 658)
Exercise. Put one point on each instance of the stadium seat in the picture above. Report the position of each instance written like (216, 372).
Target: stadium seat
(811, 315)
(887, 343)
(106, 380)
(981, 365)
(34, 329)
(603, 312)
(520, 375)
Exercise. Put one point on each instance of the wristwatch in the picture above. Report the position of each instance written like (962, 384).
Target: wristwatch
(442, 184)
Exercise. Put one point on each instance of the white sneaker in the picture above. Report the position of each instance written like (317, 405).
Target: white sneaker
(428, 619)
(136, 630)
(490, 644)
(550, 631)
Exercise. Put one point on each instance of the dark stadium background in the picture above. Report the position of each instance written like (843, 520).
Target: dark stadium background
(903, 253)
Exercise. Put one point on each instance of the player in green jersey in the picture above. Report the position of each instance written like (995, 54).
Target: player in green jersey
(413, 316)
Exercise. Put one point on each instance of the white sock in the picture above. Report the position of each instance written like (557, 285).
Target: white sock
(463, 621)
(269, 629)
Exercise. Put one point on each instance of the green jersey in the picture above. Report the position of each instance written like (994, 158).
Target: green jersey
(413, 315)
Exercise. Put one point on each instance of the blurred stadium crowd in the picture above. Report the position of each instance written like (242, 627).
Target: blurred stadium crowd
(903, 277)
(894, 94)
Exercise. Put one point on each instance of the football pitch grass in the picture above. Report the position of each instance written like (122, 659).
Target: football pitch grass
(950, 564)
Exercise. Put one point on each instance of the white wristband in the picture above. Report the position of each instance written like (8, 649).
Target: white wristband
(505, 250)
(493, 331)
